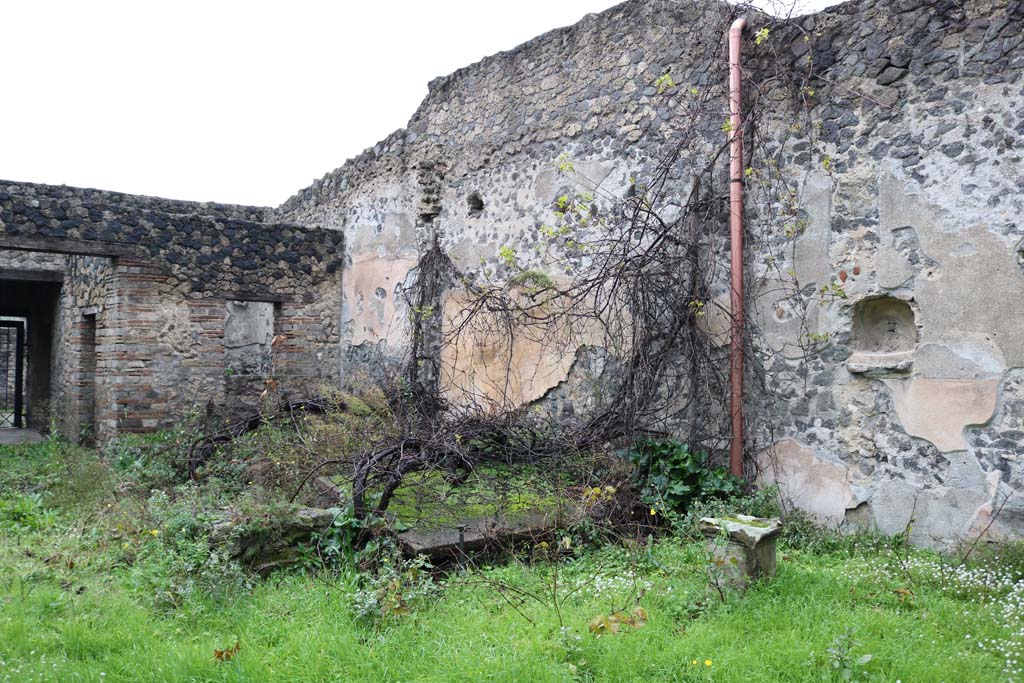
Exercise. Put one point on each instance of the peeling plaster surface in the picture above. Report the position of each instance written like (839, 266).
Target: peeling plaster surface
(499, 372)
(938, 410)
(807, 481)
(921, 203)
(810, 252)
(372, 288)
(959, 300)
(941, 513)
(914, 413)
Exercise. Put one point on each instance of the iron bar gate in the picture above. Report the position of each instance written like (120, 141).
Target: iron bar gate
(12, 373)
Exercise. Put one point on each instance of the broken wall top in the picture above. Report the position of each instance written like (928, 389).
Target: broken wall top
(592, 83)
(212, 248)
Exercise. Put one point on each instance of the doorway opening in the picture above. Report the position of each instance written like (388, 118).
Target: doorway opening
(12, 372)
(28, 320)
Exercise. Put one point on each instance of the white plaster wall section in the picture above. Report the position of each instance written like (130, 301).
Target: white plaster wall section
(958, 297)
(808, 481)
(811, 251)
(248, 323)
(386, 230)
(967, 302)
(382, 247)
(248, 332)
(892, 268)
(953, 505)
(783, 315)
(894, 504)
(935, 515)
(938, 410)
(971, 357)
(966, 340)
(373, 303)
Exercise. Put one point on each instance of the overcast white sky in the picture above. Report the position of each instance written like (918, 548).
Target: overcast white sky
(234, 101)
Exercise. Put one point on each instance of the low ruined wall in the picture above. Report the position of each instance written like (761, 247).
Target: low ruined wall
(166, 306)
(213, 251)
(908, 167)
(102, 199)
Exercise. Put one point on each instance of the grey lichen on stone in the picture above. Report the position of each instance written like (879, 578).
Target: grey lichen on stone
(880, 364)
(744, 529)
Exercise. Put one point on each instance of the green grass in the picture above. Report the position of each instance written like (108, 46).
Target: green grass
(72, 608)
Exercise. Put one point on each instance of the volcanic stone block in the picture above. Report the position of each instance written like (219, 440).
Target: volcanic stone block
(741, 549)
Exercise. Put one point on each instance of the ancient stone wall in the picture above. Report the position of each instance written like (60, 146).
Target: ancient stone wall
(889, 321)
(213, 251)
(81, 322)
(167, 306)
(887, 351)
(21, 261)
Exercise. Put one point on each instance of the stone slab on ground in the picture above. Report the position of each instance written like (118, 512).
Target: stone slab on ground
(10, 437)
(478, 533)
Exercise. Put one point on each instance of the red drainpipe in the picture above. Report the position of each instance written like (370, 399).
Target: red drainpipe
(736, 251)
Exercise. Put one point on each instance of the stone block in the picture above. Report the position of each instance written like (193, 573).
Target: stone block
(741, 549)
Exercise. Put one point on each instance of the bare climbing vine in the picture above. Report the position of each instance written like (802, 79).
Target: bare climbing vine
(631, 287)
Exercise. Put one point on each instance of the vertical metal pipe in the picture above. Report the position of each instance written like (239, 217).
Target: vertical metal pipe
(736, 250)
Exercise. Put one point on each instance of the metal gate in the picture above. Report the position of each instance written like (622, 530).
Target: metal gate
(12, 367)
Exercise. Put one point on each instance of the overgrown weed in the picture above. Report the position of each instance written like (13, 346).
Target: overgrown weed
(115, 574)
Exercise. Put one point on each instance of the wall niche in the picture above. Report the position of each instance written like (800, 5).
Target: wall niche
(884, 337)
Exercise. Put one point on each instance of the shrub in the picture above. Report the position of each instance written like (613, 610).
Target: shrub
(671, 477)
(149, 461)
(802, 532)
(393, 588)
(173, 572)
(186, 512)
(25, 512)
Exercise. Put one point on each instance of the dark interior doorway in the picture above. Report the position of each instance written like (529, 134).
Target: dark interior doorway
(33, 305)
(12, 372)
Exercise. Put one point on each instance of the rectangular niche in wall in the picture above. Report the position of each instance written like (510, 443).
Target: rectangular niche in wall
(884, 337)
(87, 378)
(248, 333)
